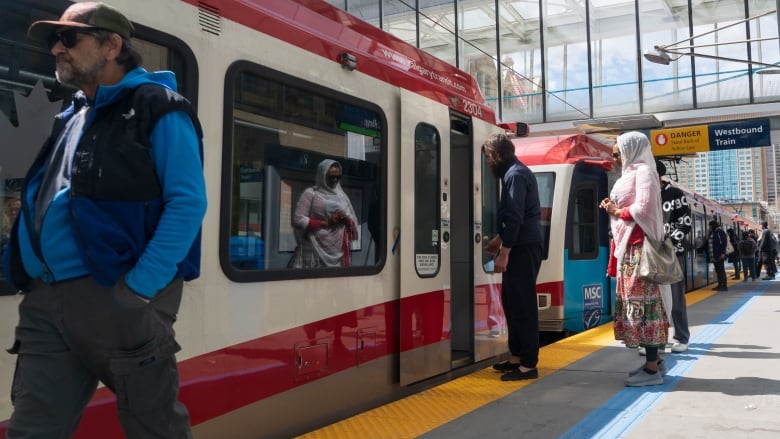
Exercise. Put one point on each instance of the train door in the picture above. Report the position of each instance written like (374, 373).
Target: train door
(489, 323)
(587, 291)
(476, 313)
(425, 247)
(461, 246)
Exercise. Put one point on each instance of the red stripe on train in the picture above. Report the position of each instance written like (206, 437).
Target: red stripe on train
(219, 382)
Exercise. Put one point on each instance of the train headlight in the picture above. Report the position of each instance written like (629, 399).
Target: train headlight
(348, 61)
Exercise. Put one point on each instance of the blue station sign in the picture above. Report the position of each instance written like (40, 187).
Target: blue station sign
(744, 134)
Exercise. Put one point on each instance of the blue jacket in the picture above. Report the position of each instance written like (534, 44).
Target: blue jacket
(144, 225)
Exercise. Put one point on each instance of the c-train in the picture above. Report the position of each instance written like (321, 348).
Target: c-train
(574, 173)
(271, 351)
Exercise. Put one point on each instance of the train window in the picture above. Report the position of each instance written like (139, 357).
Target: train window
(490, 199)
(427, 213)
(583, 236)
(304, 171)
(546, 183)
(30, 96)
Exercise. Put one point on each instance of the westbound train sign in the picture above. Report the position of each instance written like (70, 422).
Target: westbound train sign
(714, 137)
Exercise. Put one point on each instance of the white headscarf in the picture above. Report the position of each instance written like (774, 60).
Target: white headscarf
(320, 202)
(638, 189)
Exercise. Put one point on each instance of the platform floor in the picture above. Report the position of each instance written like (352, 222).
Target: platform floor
(726, 385)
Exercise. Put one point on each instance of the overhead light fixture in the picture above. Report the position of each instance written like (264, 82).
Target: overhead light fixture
(658, 56)
(663, 54)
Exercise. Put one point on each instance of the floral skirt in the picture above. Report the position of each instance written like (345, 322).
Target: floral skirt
(640, 318)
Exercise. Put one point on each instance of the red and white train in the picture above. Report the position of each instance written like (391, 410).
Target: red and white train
(272, 351)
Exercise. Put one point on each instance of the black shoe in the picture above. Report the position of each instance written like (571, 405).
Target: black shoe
(721, 289)
(516, 375)
(506, 366)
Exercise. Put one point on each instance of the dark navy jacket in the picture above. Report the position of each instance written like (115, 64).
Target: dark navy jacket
(519, 211)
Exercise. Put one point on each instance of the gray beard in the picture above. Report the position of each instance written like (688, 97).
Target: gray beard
(76, 78)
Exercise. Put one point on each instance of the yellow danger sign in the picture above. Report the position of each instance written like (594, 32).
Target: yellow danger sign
(680, 141)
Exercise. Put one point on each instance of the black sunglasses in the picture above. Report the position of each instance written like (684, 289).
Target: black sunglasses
(68, 37)
(334, 177)
(615, 155)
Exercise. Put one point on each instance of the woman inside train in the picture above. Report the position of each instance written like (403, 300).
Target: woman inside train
(324, 221)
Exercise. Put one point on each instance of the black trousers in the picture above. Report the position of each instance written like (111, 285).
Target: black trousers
(518, 296)
(72, 335)
(720, 272)
(679, 307)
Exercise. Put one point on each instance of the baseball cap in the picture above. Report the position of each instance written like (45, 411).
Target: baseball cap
(89, 15)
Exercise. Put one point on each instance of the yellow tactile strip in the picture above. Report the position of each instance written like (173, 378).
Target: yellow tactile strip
(414, 415)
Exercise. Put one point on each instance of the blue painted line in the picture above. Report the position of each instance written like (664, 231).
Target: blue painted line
(621, 413)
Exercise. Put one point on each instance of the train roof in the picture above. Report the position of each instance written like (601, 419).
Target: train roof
(328, 31)
(563, 149)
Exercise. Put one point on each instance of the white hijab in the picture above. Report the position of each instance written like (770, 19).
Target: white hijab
(639, 189)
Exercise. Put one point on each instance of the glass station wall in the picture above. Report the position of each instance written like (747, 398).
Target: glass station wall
(543, 61)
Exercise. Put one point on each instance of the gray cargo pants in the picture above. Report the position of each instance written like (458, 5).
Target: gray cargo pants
(72, 334)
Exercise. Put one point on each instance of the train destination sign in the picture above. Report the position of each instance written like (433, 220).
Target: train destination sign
(714, 137)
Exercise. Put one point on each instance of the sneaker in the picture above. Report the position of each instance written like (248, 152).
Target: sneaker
(661, 369)
(641, 351)
(505, 366)
(516, 375)
(642, 378)
(680, 347)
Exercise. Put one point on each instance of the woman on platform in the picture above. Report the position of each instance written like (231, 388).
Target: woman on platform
(635, 210)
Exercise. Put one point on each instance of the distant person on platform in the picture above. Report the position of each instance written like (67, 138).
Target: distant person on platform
(518, 255)
(677, 225)
(717, 251)
(734, 257)
(747, 250)
(768, 248)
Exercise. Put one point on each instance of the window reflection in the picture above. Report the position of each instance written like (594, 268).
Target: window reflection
(306, 186)
(427, 213)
